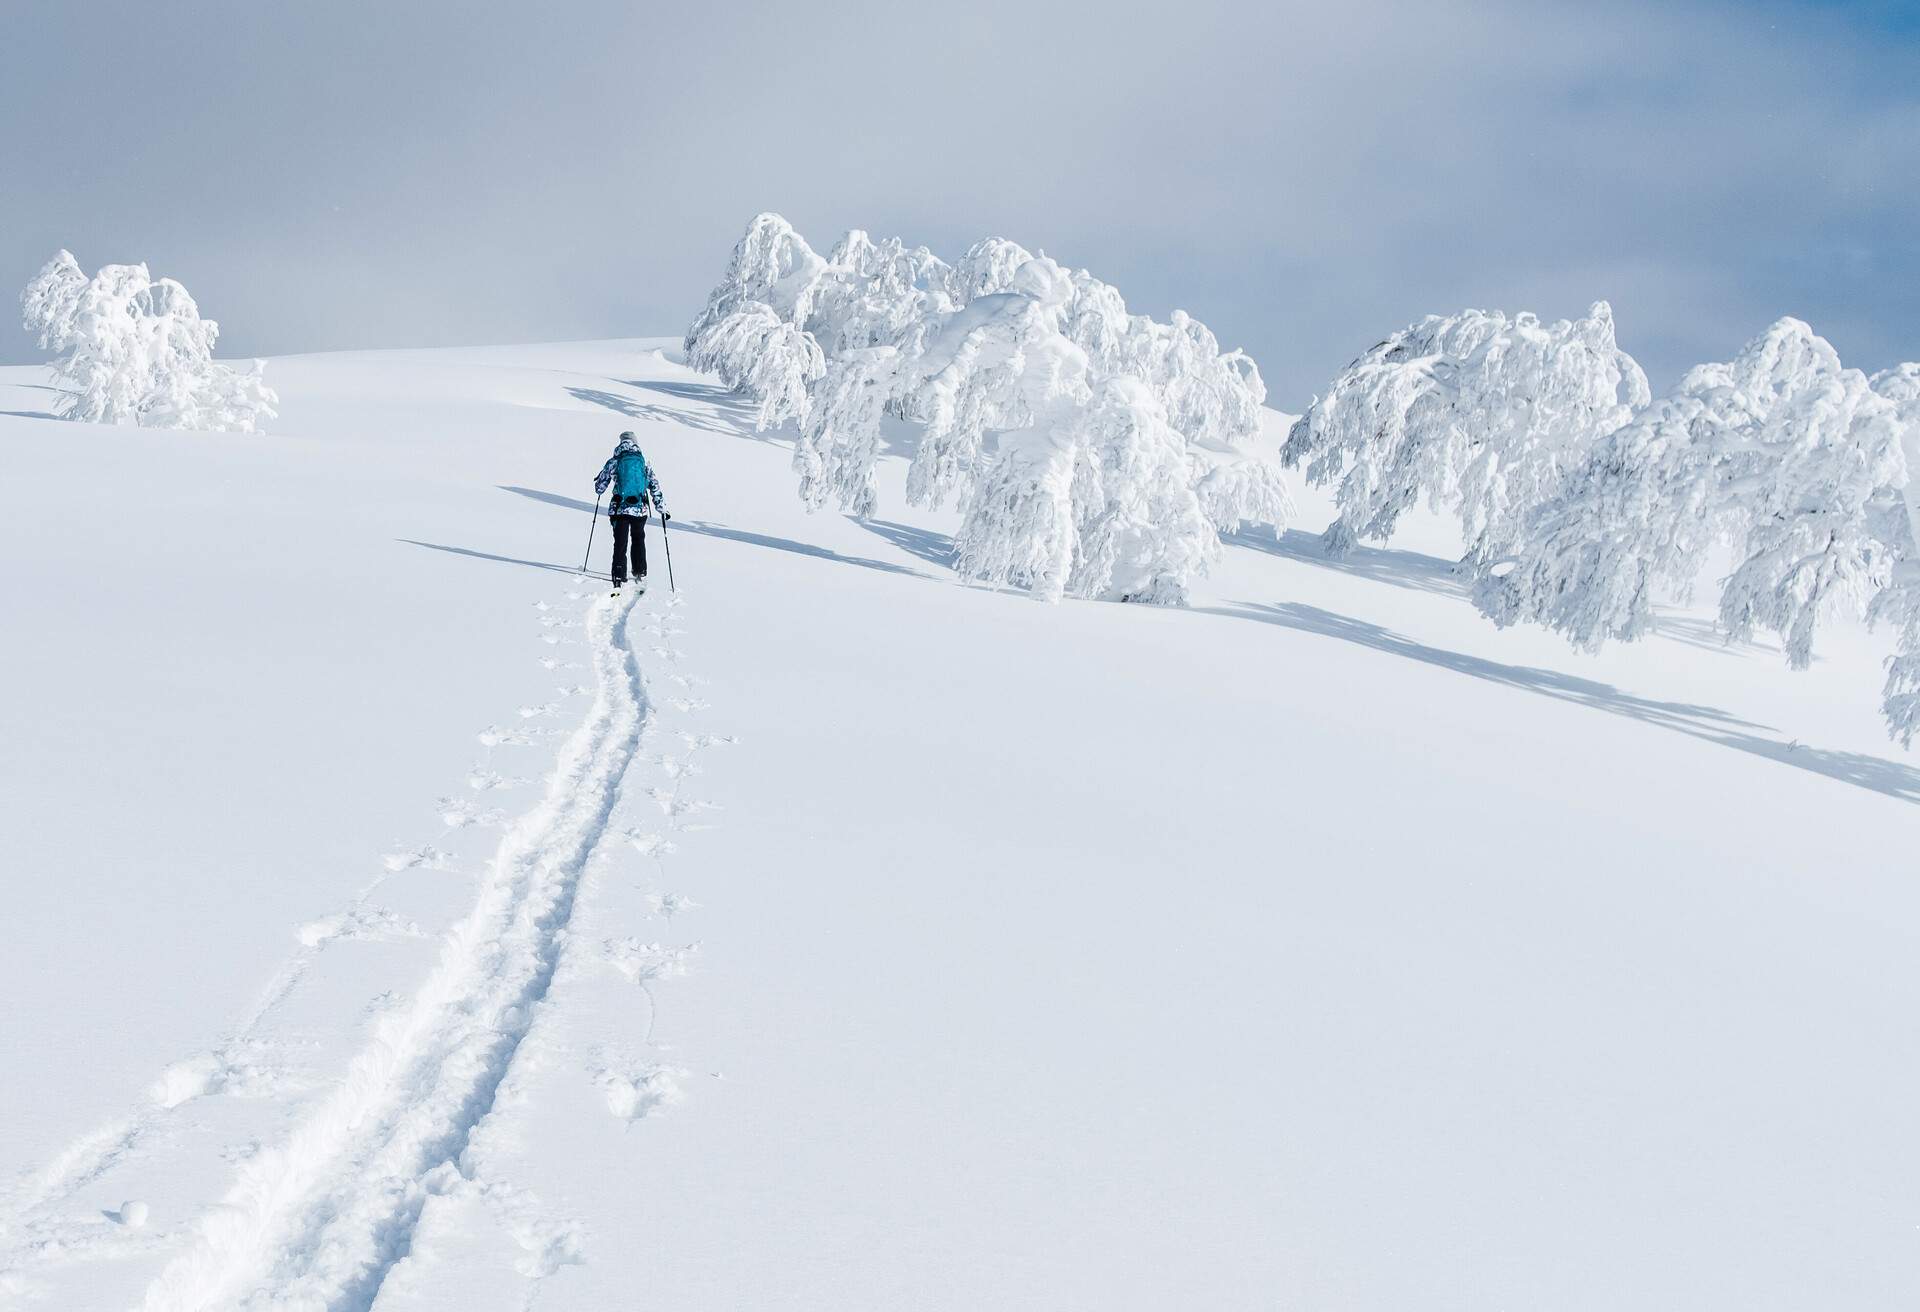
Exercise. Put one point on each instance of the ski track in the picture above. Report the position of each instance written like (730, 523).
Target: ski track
(29, 1223)
(318, 1221)
(33, 1233)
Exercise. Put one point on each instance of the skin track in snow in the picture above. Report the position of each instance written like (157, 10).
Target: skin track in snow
(319, 1221)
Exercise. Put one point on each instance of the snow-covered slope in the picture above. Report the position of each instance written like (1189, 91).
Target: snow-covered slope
(1315, 946)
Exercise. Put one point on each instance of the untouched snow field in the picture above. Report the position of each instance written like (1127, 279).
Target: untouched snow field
(395, 921)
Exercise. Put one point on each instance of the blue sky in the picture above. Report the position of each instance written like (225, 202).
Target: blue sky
(1303, 177)
(1892, 17)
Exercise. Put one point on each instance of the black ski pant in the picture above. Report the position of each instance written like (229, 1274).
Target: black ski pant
(629, 539)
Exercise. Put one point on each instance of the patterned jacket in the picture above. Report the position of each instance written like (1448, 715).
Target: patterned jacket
(604, 478)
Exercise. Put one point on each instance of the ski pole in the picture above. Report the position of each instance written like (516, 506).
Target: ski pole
(667, 542)
(590, 527)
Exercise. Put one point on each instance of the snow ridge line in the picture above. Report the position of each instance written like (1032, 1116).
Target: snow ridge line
(318, 1221)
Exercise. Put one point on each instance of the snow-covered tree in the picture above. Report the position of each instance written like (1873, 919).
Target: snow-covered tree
(877, 294)
(1823, 512)
(1085, 486)
(52, 300)
(1213, 397)
(1000, 364)
(1477, 413)
(997, 364)
(755, 353)
(752, 332)
(1899, 602)
(1240, 491)
(136, 351)
(1635, 513)
(1143, 526)
(782, 312)
(1091, 451)
(987, 268)
(839, 442)
(772, 266)
(1794, 462)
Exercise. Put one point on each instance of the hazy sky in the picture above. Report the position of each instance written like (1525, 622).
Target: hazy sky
(1305, 177)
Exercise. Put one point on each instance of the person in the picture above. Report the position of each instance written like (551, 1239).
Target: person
(635, 488)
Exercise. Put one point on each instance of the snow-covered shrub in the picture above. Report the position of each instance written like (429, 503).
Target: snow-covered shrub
(1091, 451)
(136, 351)
(1477, 413)
(1798, 464)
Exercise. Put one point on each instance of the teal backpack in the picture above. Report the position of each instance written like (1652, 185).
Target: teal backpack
(629, 479)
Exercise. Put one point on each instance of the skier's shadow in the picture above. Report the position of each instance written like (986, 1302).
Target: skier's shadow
(551, 498)
(31, 414)
(471, 554)
(700, 528)
(1703, 722)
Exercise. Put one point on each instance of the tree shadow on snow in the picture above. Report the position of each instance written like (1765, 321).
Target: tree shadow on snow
(1709, 636)
(1424, 573)
(711, 393)
(1402, 569)
(1702, 722)
(934, 548)
(728, 414)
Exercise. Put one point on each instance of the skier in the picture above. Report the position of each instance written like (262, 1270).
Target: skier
(634, 489)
